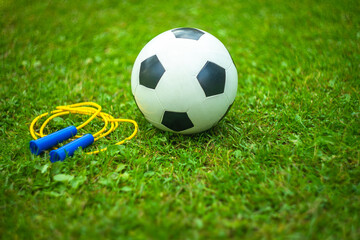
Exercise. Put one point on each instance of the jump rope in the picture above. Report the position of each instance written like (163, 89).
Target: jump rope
(45, 142)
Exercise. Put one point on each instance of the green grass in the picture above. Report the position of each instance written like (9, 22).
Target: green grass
(283, 164)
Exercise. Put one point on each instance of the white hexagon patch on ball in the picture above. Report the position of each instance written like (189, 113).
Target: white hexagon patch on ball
(184, 81)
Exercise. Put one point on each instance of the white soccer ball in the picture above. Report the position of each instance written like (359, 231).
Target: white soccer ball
(184, 81)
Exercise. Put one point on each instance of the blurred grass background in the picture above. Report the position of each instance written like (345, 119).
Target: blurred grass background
(284, 163)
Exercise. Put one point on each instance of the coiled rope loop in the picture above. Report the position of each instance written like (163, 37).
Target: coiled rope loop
(85, 108)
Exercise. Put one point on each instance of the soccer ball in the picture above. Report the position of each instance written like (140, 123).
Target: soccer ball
(184, 81)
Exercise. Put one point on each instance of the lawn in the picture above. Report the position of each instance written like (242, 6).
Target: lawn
(283, 163)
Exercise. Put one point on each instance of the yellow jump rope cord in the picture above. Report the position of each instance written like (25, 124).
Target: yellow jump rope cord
(85, 108)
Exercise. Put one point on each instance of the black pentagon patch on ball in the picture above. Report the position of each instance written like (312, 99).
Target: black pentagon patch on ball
(188, 33)
(151, 71)
(177, 121)
(212, 79)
